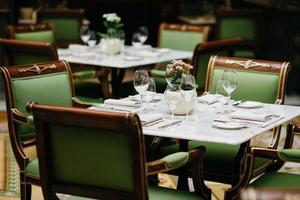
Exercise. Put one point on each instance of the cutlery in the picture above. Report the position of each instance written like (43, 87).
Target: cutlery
(238, 102)
(153, 123)
(169, 125)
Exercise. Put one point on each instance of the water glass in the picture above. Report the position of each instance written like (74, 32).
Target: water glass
(85, 33)
(143, 34)
(150, 93)
(135, 40)
(171, 97)
(141, 82)
(93, 39)
(229, 83)
(188, 89)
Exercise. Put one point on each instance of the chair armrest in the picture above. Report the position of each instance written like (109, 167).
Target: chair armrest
(80, 104)
(88, 74)
(289, 155)
(22, 118)
(172, 161)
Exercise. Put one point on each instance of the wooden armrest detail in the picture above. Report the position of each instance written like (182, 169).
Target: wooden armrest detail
(265, 153)
(80, 104)
(18, 116)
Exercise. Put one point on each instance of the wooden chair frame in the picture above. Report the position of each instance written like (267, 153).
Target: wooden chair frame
(11, 45)
(282, 68)
(183, 28)
(15, 116)
(237, 13)
(123, 123)
(62, 13)
(25, 28)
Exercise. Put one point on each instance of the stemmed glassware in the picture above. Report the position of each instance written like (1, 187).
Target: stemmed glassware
(171, 97)
(150, 93)
(92, 41)
(143, 34)
(85, 33)
(188, 89)
(141, 82)
(229, 83)
(135, 40)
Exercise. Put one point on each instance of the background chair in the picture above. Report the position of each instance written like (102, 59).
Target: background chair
(177, 37)
(239, 23)
(49, 83)
(203, 52)
(84, 140)
(17, 52)
(258, 80)
(66, 24)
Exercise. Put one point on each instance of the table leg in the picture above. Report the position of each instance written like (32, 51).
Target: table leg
(183, 172)
(117, 76)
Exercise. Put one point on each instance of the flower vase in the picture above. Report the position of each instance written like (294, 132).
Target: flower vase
(111, 46)
(183, 107)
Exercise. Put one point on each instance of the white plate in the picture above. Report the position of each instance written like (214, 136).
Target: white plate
(163, 50)
(132, 58)
(250, 104)
(228, 125)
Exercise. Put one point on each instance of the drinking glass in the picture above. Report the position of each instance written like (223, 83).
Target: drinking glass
(141, 82)
(171, 97)
(135, 40)
(143, 34)
(150, 93)
(85, 33)
(92, 39)
(187, 89)
(229, 83)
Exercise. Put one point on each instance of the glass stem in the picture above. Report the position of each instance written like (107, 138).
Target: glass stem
(186, 109)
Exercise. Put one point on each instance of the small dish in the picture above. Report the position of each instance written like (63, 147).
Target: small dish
(228, 125)
(163, 50)
(249, 104)
(132, 58)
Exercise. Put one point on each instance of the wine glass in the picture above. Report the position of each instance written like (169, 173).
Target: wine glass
(85, 33)
(187, 89)
(150, 93)
(143, 34)
(229, 83)
(141, 82)
(171, 97)
(135, 40)
(92, 41)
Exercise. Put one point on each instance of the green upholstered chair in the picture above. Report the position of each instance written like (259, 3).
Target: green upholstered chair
(49, 83)
(239, 23)
(203, 52)
(258, 80)
(101, 155)
(66, 24)
(19, 52)
(177, 37)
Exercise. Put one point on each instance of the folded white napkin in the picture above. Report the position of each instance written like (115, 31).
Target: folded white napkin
(262, 117)
(208, 99)
(149, 54)
(122, 102)
(150, 118)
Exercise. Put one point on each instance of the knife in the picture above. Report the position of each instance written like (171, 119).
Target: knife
(169, 125)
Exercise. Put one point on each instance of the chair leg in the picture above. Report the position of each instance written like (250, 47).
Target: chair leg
(25, 191)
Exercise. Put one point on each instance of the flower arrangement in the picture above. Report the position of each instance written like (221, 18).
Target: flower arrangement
(175, 70)
(113, 25)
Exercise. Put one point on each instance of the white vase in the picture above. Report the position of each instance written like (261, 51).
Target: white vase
(183, 107)
(111, 46)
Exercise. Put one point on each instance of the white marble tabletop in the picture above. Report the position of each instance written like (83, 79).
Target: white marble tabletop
(201, 129)
(130, 57)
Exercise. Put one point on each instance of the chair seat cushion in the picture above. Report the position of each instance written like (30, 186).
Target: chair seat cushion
(277, 180)
(157, 193)
(88, 74)
(90, 100)
(32, 169)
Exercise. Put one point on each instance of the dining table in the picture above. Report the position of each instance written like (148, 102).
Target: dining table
(129, 57)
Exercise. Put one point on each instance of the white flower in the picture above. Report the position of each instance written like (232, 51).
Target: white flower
(112, 17)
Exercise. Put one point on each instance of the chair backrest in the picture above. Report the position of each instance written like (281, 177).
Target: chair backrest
(181, 36)
(93, 154)
(239, 23)
(258, 80)
(32, 32)
(49, 83)
(20, 52)
(66, 24)
(203, 52)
